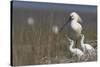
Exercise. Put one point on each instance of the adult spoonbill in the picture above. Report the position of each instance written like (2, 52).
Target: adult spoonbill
(86, 47)
(74, 27)
(75, 51)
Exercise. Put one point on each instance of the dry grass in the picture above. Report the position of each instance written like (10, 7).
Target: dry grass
(37, 44)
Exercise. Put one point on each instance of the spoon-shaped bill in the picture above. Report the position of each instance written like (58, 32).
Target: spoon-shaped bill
(69, 18)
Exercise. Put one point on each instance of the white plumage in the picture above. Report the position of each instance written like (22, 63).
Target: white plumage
(75, 51)
(86, 47)
(74, 27)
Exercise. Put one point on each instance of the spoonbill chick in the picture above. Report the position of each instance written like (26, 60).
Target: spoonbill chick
(74, 27)
(75, 51)
(86, 47)
(55, 29)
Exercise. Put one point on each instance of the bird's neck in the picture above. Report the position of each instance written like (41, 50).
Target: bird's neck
(71, 46)
(82, 40)
(74, 21)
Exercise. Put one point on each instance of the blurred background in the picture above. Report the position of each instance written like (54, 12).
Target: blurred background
(33, 26)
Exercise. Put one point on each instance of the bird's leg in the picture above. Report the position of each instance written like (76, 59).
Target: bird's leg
(76, 44)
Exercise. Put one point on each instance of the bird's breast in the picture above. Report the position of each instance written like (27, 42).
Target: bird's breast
(74, 30)
(75, 26)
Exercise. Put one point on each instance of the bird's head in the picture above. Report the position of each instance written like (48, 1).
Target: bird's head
(70, 40)
(72, 16)
(75, 16)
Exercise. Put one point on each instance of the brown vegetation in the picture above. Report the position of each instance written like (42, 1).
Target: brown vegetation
(37, 44)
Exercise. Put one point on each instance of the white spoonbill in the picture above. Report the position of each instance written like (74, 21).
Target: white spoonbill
(74, 27)
(86, 47)
(75, 51)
